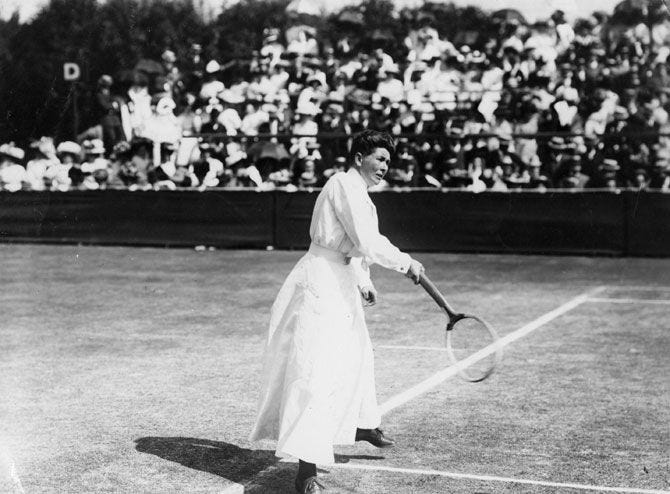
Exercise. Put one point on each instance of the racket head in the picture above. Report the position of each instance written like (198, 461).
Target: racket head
(470, 338)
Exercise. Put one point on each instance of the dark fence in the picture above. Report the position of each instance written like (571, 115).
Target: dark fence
(570, 223)
(626, 223)
(176, 218)
(648, 224)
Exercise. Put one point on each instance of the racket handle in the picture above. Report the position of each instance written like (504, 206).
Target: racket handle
(432, 290)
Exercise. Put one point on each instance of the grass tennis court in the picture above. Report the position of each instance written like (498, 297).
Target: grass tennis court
(134, 370)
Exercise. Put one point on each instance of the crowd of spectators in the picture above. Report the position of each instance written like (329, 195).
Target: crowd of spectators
(547, 105)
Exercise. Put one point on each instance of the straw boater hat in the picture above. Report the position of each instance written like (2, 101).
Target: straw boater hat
(69, 147)
(12, 152)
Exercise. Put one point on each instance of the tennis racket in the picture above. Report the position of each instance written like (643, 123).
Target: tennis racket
(469, 339)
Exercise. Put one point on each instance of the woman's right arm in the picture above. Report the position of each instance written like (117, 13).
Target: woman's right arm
(359, 221)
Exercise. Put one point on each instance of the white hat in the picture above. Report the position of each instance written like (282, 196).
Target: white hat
(269, 108)
(12, 151)
(308, 108)
(319, 77)
(69, 147)
(235, 157)
(231, 97)
(425, 107)
(165, 106)
(212, 67)
(94, 146)
(169, 56)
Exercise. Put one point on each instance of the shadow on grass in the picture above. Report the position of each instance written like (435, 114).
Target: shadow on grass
(261, 468)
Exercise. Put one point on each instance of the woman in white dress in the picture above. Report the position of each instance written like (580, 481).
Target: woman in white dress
(318, 375)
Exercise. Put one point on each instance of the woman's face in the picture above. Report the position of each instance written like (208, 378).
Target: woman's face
(374, 166)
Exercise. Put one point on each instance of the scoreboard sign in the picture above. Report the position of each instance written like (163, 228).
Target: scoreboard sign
(71, 71)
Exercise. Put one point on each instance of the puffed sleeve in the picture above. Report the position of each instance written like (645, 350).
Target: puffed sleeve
(359, 219)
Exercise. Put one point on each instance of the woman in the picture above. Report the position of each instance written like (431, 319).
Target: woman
(318, 384)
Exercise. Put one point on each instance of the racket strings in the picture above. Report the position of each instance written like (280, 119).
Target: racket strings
(469, 340)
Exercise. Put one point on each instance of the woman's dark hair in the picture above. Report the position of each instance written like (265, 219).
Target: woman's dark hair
(367, 141)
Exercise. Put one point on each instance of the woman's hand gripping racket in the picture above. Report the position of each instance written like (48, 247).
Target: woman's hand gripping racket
(467, 337)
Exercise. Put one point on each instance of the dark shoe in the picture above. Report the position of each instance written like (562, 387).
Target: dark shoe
(375, 437)
(309, 486)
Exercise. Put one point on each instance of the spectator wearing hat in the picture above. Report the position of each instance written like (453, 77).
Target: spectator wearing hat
(536, 180)
(95, 166)
(308, 178)
(281, 176)
(278, 79)
(189, 118)
(173, 76)
(639, 179)
(476, 175)
(211, 85)
(339, 164)
(565, 34)
(58, 174)
(134, 170)
(184, 176)
(208, 169)
(272, 49)
(389, 86)
(13, 176)
(108, 107)
(606, 175)
(192, 70)
(254, 117)
(404, 172)
(314, 92)
(75, 172)
(574, 178)
(660, 179)
(232, 166)
(139, 105)
(163, 126)
(161, 176)
(305, 126)
(117, 157)
(44, 156)
(211, 124)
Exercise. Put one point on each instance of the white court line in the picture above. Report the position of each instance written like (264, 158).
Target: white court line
(630, 301)
(490, 478)
(443, 375)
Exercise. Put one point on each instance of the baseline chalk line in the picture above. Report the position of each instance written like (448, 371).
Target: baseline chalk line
(443, 375)
(490, 478)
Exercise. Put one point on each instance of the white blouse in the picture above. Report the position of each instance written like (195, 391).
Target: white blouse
(345, 220)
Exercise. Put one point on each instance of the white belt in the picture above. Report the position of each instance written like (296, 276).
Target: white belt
(330, 254)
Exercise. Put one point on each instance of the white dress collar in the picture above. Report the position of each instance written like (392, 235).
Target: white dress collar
(357, 178)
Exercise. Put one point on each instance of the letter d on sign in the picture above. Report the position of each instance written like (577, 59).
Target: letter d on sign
(71, 71)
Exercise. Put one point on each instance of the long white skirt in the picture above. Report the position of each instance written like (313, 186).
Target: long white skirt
(318, 373)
